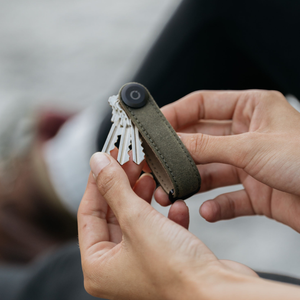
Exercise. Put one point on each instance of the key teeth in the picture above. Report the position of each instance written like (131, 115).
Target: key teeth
(140, 155)
(122, 125)
(139, 160)
(112, 100)
(124, 161)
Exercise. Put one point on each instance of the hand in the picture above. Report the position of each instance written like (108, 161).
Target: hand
(131, 251)
(249, 137)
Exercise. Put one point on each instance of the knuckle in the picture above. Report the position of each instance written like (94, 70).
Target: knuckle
(247, 150)
(197, 143)
(271, 96)
(106, 181)
(261, 98)
(251, 97)
(276, 94)
(196, 94)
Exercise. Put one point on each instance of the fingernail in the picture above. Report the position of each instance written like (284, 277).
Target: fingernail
(146, 174)
(98, 162)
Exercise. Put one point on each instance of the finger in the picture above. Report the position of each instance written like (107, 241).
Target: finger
(236, 150)
(217, 128)
(217, 175)
(227, 206)
(132, 169)
(145, 186)
(114, 153)
(209, 105)
(133, 172)
(114, 186)
(146, 168)
(92, 226)
(212, 176)
(179, 213)
(161, 197)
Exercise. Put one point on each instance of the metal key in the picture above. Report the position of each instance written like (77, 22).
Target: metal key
(125, 141)
(122, 126)
(114, 132)
(137, 148)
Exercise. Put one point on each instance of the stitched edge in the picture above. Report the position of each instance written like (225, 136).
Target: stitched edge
(177, 140)
(157, 173)
(156, 148)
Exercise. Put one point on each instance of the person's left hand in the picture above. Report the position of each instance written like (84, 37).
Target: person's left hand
(131, 251)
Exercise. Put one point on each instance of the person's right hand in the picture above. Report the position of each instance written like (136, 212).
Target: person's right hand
(249, 137)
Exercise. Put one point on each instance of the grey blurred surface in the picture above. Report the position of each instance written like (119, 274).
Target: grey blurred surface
(65, 53)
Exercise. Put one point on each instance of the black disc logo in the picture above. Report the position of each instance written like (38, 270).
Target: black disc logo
(135, 95)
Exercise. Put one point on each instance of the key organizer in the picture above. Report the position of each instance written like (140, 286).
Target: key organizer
(165, 154)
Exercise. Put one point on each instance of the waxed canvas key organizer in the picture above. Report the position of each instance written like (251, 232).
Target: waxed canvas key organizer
(167, 157)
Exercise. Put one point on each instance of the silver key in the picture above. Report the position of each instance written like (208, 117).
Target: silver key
(137, 148)
(125, 141)
(122, 126)
(114, 132)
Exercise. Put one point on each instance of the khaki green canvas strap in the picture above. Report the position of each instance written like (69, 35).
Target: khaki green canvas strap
(165, 154)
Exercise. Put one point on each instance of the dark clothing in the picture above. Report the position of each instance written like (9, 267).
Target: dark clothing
(280, 278)
(57, 276)
(220, 45)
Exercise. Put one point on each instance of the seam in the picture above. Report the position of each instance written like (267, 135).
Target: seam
(157, 173)
(177, 140)
(156, 148)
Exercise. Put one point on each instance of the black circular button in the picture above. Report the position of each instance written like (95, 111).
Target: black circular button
(134, 95)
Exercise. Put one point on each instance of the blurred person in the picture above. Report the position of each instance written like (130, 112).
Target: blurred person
(29, 222)
(205, 45)
(38, 249)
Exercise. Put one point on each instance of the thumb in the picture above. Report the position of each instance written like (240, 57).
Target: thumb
(113, 185)
(232, 149)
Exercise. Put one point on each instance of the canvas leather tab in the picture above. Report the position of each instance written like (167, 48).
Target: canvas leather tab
(166, 155)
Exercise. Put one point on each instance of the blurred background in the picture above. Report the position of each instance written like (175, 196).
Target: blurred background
(64, 54)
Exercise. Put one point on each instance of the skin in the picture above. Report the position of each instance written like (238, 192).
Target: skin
(249, 137)
(130, 251)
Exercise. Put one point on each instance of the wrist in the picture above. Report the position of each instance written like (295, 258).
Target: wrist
(219, 283)
(206, 283)
(215, 282)
(225, 284)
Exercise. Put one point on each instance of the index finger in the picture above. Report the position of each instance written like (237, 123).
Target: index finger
(209, 105)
